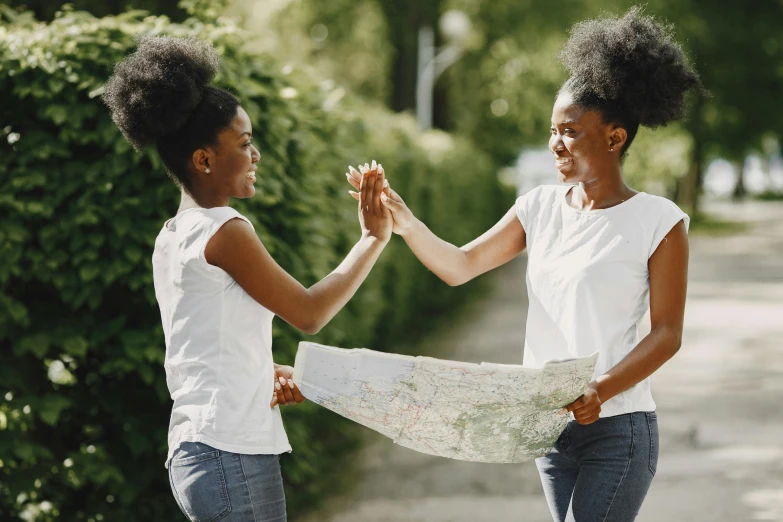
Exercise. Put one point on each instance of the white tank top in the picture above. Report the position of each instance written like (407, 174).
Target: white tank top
(218, 363)
(588, 281)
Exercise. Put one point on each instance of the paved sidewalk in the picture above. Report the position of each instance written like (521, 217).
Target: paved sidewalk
(718, 401)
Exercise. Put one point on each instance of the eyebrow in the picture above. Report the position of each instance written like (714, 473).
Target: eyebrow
(567, 122)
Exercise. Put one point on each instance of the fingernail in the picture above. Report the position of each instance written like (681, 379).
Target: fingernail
(374, 165)
(383, 197)
(290, 383)
(282, 380)
(277, 386)
(562, 411)
(380, 167)
(385, 183)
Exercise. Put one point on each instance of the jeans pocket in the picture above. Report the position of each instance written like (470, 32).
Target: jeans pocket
(199, 484)
(652, 424)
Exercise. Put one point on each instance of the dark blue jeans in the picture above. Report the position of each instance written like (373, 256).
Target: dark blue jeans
(211, 485)
(601, 472)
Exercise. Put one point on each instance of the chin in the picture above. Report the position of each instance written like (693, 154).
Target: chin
(245, 193)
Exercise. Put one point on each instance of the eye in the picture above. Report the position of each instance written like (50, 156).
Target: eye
(248, 143)
(570, 131)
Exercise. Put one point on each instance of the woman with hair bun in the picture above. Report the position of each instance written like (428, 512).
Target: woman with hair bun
(217, 286)
(600, 255)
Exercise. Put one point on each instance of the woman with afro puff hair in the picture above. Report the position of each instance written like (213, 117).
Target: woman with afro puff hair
(600, 254)
(217, 286)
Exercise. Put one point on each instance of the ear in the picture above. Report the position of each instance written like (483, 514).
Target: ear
(200, 161)
(617, 138)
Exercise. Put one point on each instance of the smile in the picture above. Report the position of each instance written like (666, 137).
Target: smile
(562, 162)
(251, 176)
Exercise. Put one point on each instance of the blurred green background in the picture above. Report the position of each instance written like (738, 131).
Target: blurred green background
(83, 401)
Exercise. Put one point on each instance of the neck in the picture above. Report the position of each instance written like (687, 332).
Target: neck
(600, 192)
(199, 198)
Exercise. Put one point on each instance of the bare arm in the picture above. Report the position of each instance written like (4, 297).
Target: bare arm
(236, 249)
(497, 246)
(668, 268)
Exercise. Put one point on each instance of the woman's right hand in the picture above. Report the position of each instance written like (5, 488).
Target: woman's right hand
(402, 215)
(374, 218)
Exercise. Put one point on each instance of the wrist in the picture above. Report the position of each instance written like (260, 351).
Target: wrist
(600, 387)
(406, 232)
(370, 239)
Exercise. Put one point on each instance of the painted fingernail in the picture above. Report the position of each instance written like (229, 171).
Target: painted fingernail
(290, 383)
(562, 411)
(282, 380)
(374, 165)
(277, 386)
(385, 183)
(380, 167)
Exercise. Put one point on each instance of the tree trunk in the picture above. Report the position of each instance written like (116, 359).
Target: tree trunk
(404, 17)
(690, 186)
(739, 187)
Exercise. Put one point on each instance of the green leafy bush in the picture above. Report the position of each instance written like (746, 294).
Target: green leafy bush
(83, 402)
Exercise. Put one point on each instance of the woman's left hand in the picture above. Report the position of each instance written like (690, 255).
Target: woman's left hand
(286, 392)
(587, 408)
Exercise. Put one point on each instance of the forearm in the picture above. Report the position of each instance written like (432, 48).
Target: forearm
(329, 295)
(448, 262)
(649, 355)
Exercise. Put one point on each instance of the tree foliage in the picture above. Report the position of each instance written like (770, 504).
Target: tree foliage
(83, 402)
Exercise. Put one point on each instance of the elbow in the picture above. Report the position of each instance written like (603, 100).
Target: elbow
(452, 282)
(676, 343)
(310, 324)
(311, 327)
(455, 281)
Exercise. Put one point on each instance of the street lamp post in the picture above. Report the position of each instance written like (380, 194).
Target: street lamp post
(455, 27)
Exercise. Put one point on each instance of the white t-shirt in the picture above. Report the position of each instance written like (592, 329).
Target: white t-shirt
(219, 367)
(588, 280)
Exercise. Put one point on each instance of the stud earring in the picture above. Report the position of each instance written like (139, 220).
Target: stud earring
(611, 149)
(207, 170)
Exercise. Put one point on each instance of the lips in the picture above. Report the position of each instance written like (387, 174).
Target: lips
(561, 163)
(251, 176)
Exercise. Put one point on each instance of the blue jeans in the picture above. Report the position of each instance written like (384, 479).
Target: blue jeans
(601, 472)
(211, 485)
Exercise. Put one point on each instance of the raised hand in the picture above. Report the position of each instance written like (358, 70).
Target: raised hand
(374, 218)
(403, 217)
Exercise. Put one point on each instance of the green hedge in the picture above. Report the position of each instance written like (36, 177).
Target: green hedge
(83, 401)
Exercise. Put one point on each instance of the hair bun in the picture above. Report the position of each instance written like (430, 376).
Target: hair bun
(153, 91)
(633, 61)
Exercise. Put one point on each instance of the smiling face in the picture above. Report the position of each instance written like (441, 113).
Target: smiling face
(235, 157)
(581, 141)
(231, 162)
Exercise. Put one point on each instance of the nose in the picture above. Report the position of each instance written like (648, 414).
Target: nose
(556, 143)
(255, 155)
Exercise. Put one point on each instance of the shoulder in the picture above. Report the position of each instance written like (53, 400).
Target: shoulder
(654, 210)
(208, 220)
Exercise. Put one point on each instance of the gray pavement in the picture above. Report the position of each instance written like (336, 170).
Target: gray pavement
(720, 415)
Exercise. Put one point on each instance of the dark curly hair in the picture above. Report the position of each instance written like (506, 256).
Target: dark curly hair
(630, 69)
(160, 96)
